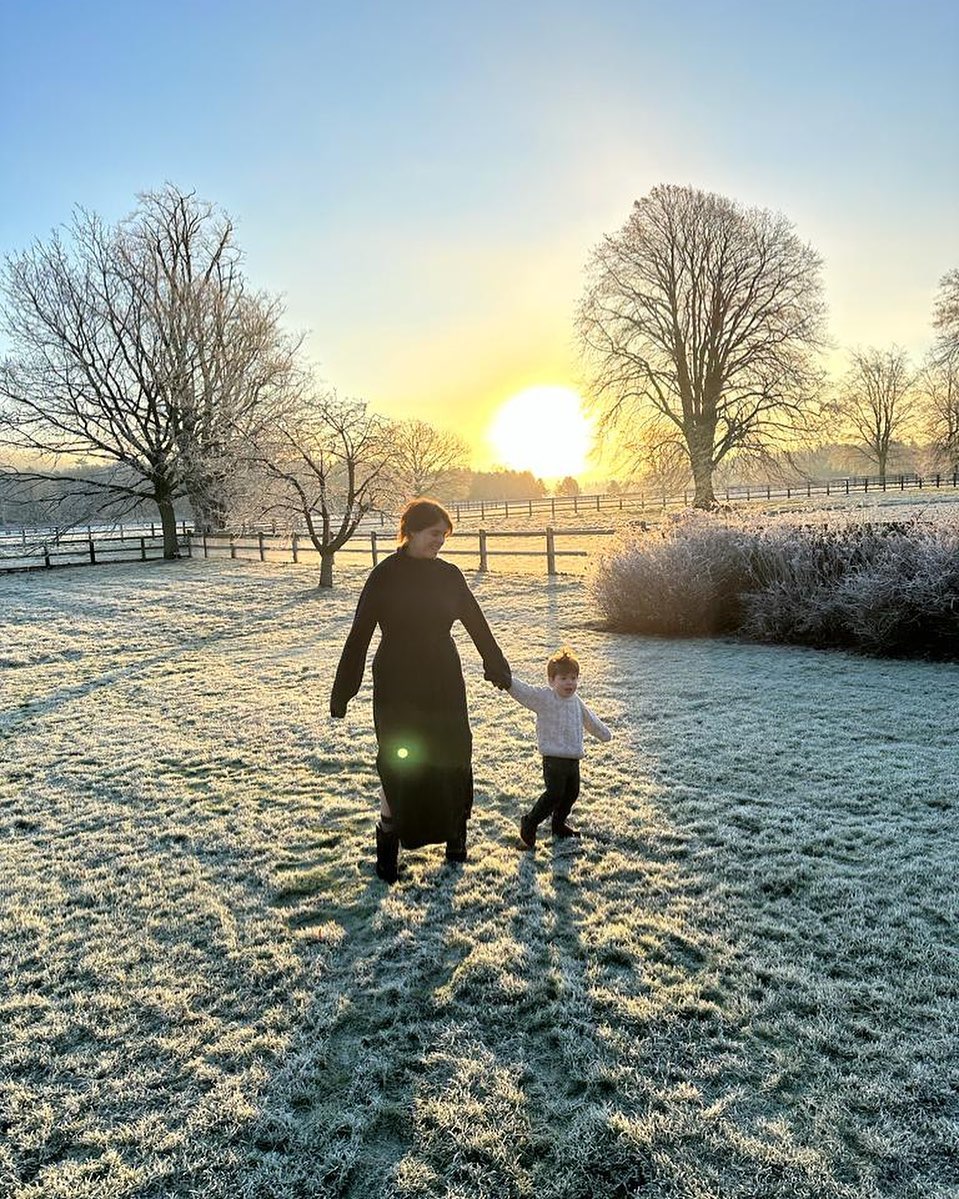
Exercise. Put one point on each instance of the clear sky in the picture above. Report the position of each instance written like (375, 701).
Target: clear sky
(423, 180)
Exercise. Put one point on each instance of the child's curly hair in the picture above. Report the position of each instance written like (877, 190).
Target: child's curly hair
(562, 662)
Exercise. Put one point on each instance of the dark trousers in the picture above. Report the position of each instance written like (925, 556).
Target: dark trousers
(561, 776)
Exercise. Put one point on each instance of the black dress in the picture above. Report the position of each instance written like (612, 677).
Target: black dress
(425, 747)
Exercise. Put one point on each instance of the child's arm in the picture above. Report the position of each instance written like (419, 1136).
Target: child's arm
(523, 693)
(592, 724)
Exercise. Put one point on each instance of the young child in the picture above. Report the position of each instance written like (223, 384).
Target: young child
(561, 717)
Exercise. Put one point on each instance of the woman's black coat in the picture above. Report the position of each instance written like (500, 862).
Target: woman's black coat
(425, 746)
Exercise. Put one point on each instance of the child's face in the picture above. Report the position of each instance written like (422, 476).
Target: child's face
(564, 684)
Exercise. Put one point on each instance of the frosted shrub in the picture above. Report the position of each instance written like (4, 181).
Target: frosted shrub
(906, 603)
(820, 580)
(683, 578)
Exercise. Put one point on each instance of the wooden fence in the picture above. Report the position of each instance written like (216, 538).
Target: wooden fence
(644, 502)
(85, 551)
(477, 546)
(473, 544)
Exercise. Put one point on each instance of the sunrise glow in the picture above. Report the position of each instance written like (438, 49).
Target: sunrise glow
(544, 430)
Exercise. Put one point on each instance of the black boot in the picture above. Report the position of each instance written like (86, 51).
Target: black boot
(561, 828)
(456, 845)
(387, 854)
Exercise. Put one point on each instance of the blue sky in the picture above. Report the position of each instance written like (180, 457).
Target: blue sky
(424, 181)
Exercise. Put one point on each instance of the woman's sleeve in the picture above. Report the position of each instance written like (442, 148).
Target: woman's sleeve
(349, 673)
(495, 667)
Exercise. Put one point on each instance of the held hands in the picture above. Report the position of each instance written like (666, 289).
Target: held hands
(500, 679)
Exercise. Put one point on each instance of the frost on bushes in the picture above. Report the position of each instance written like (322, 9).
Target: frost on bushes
(813, 579)
(683, 578)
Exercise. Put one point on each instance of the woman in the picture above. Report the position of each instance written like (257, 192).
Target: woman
(425, 747)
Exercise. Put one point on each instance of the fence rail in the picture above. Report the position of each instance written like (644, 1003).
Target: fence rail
(641, 502)
(472, 544)
(27, 549)
(86, 551)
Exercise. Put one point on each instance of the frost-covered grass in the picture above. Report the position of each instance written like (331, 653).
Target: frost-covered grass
(743, 982)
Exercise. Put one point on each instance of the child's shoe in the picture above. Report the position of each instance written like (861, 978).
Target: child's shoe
(527, 834)
(565, 830)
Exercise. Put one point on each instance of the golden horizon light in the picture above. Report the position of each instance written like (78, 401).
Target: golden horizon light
(543, 429)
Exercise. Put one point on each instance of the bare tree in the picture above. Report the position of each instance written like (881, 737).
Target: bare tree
(939, 381)
(938, 386)
(425, 460)
(877, 399)
(946, 315)
(233, 372)
(329, 467)
(568, 486)
(138, 348)
(706, 315)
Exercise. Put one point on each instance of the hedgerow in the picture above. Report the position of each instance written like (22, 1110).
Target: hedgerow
(824, 580)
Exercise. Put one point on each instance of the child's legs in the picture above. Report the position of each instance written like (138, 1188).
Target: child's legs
(570, 795)
(556, 775)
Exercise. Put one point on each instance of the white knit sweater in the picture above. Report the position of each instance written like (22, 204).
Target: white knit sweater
(559, 720)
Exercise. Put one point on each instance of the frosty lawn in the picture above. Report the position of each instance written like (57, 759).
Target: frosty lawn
(742, 982)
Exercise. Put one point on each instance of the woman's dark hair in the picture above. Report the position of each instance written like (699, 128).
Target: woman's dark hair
(420, 514)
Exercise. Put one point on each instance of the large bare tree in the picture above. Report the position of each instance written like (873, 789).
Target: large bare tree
(326, 468)
(705, 317)
(877, 398)
(946, 315)
(139, 348)
(939, 381)
(425, 460)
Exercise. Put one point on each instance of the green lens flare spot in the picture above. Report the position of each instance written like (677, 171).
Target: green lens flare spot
(402, 752)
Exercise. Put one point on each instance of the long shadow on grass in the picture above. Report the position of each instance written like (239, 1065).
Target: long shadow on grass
(338, 1118)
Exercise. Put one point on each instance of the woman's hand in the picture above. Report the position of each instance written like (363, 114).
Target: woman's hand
(499, 678)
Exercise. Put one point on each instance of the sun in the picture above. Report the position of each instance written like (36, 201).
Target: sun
(543, 430)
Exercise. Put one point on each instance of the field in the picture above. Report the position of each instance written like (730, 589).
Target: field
(742, 982)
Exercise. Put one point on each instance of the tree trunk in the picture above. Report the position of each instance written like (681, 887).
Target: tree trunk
(700, 460)
(326, 568)
(171, 547)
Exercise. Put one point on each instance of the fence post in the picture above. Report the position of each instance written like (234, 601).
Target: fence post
(294, 547)
(205, 551)
(846, 481)
(188, 538)
(259, 538)
(550, 551)
(482, 549)
(373, 545)
(46, 554)
(93, 552)
(143, 549)
(232, 547)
